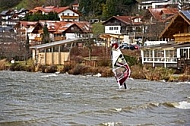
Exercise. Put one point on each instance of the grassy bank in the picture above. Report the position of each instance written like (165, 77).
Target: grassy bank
(103, 67)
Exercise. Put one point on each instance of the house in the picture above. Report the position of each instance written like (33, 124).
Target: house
(179, 28)
(6, 16)
(146, 4)
(26, 28)
(155, 20)
(10, 44)
(11, 17)
(119, 26)
(64, 13)
(175, 54)
(75, 5)
(58, 30)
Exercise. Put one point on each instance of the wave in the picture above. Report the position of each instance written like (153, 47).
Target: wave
(183, 105)
(50, 75)
(111, 124)
(185, 82)
(180, 105)
(150, 106)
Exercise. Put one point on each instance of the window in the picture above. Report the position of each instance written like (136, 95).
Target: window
(110, 28)
(138, 29)
(184, 53)
(115, 28)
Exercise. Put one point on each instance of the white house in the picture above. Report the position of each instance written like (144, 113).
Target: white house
(145, 4)
(64, 13)
(165, 55)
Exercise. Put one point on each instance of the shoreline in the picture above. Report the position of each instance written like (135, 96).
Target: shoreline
(137, 71)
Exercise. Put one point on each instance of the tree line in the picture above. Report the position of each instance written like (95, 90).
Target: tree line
(101, 9)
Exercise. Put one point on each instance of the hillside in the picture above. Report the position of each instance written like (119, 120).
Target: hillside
(6, 4)
(102, 9)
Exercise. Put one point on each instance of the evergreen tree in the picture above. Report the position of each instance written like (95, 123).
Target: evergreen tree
(45, 35)
(53, 16)
(38, 16)
(27, 46)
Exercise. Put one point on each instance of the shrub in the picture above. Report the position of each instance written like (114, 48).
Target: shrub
(184, 78)
(157, 73)
(17, 67)
(104, 62)
(49, 69)
(2, 64)
(78, 69)
(137, 72)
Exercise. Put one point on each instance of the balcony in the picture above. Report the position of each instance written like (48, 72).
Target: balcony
(39, 39)
(58, 38)
(182, 37)
(69, 17)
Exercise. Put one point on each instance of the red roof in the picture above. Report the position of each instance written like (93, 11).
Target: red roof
(28, 23)
(158, 12)
(61, 26)
(126, 19)
(48, 9)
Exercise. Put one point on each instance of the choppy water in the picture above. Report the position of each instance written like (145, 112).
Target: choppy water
(38, 99)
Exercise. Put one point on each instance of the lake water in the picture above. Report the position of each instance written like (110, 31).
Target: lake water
(40, 99)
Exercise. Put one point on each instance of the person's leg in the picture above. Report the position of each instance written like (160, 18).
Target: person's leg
(125, 86)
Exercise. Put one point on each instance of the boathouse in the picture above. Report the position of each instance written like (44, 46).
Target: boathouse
(53, 53)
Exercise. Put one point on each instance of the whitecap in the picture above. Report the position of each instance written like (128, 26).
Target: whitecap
(183, 105)
(185, 82)
(50, 75)
(111, 123)
(98, 75)
(131, 79)
(118, 109)
(66, 93)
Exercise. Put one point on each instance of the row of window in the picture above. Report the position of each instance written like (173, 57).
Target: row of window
(160, 53)
(113, 28)
(184, 53)
(136, 29)
(68, 14)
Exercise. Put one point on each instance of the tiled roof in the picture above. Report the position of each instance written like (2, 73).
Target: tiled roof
(28, 23)
(57, 26)
(48, 9)
(61, 26)
(84, 26)
(126, 19)
(158, 12)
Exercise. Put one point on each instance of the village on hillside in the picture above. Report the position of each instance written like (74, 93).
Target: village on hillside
(162, 34)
